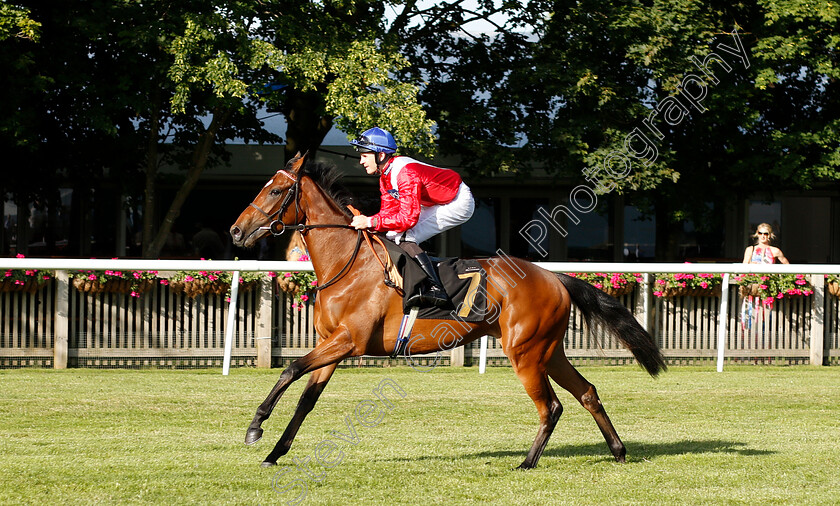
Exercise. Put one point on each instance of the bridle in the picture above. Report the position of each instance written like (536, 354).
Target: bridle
(277, 227)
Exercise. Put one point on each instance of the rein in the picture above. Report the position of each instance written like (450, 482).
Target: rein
(277, 227)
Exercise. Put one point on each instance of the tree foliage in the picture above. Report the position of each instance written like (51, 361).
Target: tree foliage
(507, 86)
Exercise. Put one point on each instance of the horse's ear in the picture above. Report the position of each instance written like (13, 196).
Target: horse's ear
(296, 163)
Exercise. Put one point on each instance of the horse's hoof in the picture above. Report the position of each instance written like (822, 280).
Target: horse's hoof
(268, 464)
(253, 435)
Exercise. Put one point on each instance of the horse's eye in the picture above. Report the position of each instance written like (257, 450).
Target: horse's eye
(274, 193)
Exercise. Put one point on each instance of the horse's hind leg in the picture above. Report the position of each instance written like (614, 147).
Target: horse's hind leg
(317, 382)
(570, 379)
(537, 386)
(330, 351)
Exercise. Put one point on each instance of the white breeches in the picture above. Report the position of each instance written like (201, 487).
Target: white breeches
(435, 219)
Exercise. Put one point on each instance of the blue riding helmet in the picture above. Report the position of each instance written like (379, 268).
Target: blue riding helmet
(375, 140)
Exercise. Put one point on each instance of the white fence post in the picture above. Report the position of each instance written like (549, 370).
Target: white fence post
(62, 319)
(723, 318)
(482, 356)
(231, 322)
(818, 319)
(263, 337)
(644, 303)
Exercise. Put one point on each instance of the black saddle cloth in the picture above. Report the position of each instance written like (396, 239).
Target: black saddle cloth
(464, 280)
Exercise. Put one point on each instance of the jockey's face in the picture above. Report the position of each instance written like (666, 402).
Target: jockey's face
(368, 161)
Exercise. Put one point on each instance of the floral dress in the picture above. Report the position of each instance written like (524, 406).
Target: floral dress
(752, 309)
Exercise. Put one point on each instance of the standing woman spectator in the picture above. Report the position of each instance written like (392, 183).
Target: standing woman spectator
(752, 309)
(762, 252)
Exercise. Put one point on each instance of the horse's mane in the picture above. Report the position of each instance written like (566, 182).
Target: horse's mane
(328, 178)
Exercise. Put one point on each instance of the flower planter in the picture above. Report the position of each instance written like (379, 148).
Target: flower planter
(126, 286)
(833, 289)
(621, 290)
(288, 286)
(197, 287)
(750, 290)
(29, 286)
(692, 292)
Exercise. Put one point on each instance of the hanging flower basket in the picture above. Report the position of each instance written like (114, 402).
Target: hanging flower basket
(611, 283)
(679, 291)
(619, 291)
(194, 288)
(126, 286)
(687, 284)
(833, 289)
(750, 290)
(195, 283)
(23, 280)
(770, 287)
(28, 286)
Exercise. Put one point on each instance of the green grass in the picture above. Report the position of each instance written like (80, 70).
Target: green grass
(747, 435)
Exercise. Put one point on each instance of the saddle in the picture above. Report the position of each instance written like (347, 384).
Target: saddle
(464, 280)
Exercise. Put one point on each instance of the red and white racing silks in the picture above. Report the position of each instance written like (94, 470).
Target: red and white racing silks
(407, 186)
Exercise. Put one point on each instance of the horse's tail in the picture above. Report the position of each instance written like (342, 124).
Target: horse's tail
(605, 310)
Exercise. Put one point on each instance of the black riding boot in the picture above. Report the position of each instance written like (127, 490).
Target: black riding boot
(432, 292)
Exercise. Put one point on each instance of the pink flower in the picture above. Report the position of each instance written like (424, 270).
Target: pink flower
(287, 274)
(598, 285)
(137, 274)
(660, 282)
(188, 278)
(134, 294)
(214, 278)
(272, 274)
(303, 258)
(314, 283)
(780, 296)
(304, 297)
(92, 277)
(703, 284)
(800, 282)
(18, 282)
(763, 287)
(658, 293)
(19, 255)
(8, 274)
(46, 276)
(164, 282)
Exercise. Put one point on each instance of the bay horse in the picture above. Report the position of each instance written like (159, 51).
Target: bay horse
(357, 314)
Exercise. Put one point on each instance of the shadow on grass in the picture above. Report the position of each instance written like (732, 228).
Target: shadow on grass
(635, 451)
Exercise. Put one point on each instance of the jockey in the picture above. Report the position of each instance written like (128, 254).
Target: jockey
(418, 201)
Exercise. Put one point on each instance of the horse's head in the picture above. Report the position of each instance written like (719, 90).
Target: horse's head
(275, 207)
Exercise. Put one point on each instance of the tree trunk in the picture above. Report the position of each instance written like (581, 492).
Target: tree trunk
(151, 177)
(197, 165)
(306, 128)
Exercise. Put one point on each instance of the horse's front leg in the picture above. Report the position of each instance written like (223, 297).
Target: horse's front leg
(317, 382)
(328, 352)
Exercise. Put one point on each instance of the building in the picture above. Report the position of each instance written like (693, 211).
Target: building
(530, 218)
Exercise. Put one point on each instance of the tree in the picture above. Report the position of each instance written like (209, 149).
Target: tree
(575, 87)
(174, 81)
